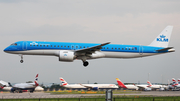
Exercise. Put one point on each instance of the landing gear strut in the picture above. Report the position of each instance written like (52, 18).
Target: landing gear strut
(85, 63)
(21, 61)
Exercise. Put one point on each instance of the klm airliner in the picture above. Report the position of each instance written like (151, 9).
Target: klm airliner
(68, 51)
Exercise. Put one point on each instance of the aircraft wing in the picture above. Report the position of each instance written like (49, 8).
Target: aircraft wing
(142, 86)
(86, 86)
(91, 50)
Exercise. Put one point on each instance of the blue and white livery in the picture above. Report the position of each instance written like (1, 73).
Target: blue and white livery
(68, 51)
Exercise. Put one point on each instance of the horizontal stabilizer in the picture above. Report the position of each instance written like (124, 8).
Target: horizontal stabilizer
(164, 49)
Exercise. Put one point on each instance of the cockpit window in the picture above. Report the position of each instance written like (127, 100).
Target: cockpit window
(14, 44)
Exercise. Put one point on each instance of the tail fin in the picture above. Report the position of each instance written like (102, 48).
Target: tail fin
(120, 83)
(162, 40)
(174, 82)
(1, 87)
(36, 80)
(178, 81)
(149, 83)
(63, 81)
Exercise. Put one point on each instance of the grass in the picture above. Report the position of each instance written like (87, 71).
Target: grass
(135, 98)
(92, 92)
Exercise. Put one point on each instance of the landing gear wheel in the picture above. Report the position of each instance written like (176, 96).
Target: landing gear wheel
(85, 63)
(21, 61)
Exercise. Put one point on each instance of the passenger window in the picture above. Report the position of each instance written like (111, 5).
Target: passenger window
(51, 45)
(129, 48)
(54, 45)
(122, 48)
(47, 45)
(40, 45)
(125, 48)
(33, 45)
(112, 48)
(80, 46)
(84, 46)
(68, 46)
(44, 45)
(135, 48)
(64, 46)
(58, 45)
(61, 46)
(115, 48)
(119, 48)
(37, 45)
(107, 47)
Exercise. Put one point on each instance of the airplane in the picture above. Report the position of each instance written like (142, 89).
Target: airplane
(156, 86)
(175, 83)
(20, 87)
(131, 87)
(87, 86)
(69, 51)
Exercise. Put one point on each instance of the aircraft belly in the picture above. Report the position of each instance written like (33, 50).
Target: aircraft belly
(126, 54)
(37, 52)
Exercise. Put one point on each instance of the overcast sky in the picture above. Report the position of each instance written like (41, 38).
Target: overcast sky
(135, 22)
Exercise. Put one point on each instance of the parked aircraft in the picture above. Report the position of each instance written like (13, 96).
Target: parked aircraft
(160, 87)
(68, 52)
(20, 87)
(87, 86)
(131, 87)
(175, 83)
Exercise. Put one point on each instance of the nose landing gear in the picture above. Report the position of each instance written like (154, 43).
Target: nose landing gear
(21, 61)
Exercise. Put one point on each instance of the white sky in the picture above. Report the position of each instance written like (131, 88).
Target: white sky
(135, 22)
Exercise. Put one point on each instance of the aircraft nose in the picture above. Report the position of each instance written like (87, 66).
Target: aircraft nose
(6, 49)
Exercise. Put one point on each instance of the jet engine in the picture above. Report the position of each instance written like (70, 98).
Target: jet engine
(67, 56)
(12, 90)
(95, 88)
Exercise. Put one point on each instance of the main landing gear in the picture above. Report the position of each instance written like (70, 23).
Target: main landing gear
(21, 61)
(85, 63)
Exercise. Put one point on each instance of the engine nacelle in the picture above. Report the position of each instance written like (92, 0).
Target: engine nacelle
(95, 88)
(67, 56)
(12, 90)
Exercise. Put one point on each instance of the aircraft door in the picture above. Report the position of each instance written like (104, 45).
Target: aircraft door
(24, 46)
(72, 47)
(140, 50)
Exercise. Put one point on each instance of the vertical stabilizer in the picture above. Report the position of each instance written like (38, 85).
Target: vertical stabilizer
(149, 83)
(36, 80)
(174, 82)
(64, 83)
(162, 40)
(120, 83)
(178, 81)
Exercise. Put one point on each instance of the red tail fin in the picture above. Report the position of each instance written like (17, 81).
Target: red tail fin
(120, 83)
(36, 79)
(1, 87)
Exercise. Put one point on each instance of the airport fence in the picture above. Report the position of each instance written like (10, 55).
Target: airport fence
(99, 98)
